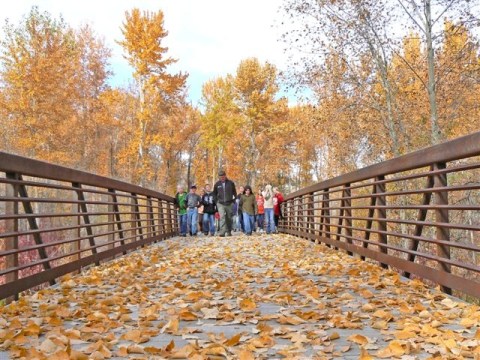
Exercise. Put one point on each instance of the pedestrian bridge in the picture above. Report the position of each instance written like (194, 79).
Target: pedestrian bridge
(372, 264)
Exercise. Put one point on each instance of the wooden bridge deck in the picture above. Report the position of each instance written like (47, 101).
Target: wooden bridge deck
(257, 297)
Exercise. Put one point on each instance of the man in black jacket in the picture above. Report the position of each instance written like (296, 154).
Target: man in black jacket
(224, 193)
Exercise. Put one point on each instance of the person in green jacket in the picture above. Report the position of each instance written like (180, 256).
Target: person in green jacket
(248, 204)
(181, 205)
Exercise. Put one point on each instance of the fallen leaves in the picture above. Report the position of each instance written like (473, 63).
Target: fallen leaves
(245, 298)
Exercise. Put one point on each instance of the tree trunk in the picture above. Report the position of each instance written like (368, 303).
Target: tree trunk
(436, 135)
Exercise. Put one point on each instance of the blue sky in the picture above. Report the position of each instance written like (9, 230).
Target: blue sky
(208, 37)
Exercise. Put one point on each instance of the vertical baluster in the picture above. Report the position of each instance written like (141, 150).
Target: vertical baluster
(11, 226)
(111, 219)
(118, 219)
(371, 213)
(347, 202)
(311, 216)
(86, 218)
(326, 213)
(382, 215)
(442, 216)
(161, 217)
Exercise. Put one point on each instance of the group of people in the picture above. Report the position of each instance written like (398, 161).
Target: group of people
(243, 210)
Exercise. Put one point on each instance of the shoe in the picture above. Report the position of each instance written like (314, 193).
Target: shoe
(221, 235)
(184, 235)
(228, 234)
(205, 233)
(212, 234)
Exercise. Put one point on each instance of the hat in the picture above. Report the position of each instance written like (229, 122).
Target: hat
(221, 173)
(193, 187)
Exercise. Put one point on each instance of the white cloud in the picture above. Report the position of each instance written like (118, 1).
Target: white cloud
(209, 38)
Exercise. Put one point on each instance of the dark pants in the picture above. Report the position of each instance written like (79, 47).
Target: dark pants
(226, 218)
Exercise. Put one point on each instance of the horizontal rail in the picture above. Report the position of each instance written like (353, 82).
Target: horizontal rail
(419, 214)
(55, 220)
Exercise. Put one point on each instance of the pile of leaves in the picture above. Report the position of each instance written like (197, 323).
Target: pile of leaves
(258, 297)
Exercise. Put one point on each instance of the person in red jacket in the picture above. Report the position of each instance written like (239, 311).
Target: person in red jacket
(277, 200)
(260, 211)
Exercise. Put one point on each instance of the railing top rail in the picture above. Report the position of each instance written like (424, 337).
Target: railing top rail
(36, 168)
(460, 148)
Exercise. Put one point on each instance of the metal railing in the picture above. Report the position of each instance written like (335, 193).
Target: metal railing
(418, 214)
(55, 220)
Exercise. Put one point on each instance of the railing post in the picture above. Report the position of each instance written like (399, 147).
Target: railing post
(382, 215)
(171, 216)
(138, 222)
(161, 216)
(311, 215)
(118, 219)
(422, 215)
(151, 218)
(371, 213)
(326, 213)
(86, 219)
(11, 225)
(347, 202)
(111, 218)
(441, 216)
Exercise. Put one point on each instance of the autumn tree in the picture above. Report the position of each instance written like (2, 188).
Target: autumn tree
(50, 75)
(427, 17)
(219, 121)
(256, 89)
(160, 94)
(356, 33)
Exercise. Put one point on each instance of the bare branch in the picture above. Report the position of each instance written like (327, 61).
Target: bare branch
(422, 28)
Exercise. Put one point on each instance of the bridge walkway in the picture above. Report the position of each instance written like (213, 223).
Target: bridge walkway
(241, 297)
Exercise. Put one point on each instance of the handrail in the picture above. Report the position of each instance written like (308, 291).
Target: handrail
(55, 220)
(418, 213)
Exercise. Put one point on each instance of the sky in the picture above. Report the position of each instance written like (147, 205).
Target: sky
(208, 37)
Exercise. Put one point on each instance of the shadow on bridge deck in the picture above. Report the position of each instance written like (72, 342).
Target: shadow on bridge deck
(257, 297)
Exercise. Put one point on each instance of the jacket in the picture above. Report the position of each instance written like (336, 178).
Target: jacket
(224, 195)
(208, 202)
(181, 203)
(268, 196)
(277, 201)
(249, 204)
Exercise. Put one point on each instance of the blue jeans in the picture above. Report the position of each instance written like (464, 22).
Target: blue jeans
(182, 221)
(260, 221)
(192, 216)
(209, 223)
(248, 223)
(270, 221)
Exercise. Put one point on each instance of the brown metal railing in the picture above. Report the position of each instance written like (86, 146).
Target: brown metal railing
(55, 220)
(418, 214)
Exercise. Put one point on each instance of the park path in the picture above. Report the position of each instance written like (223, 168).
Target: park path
(241, 297)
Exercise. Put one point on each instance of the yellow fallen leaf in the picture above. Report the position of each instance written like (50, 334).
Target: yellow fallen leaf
(136, 349)
(359, 339)
(364, 355)
(32, 329)
(247, 305)
(234, 340)
(187, 315)
(394, 348)
(122, 351)
(468, 322)
(405, 335)
(215, 350)
(334, 336)
(245, 355)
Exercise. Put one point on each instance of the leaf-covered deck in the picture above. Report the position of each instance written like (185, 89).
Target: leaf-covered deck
(256, 297)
